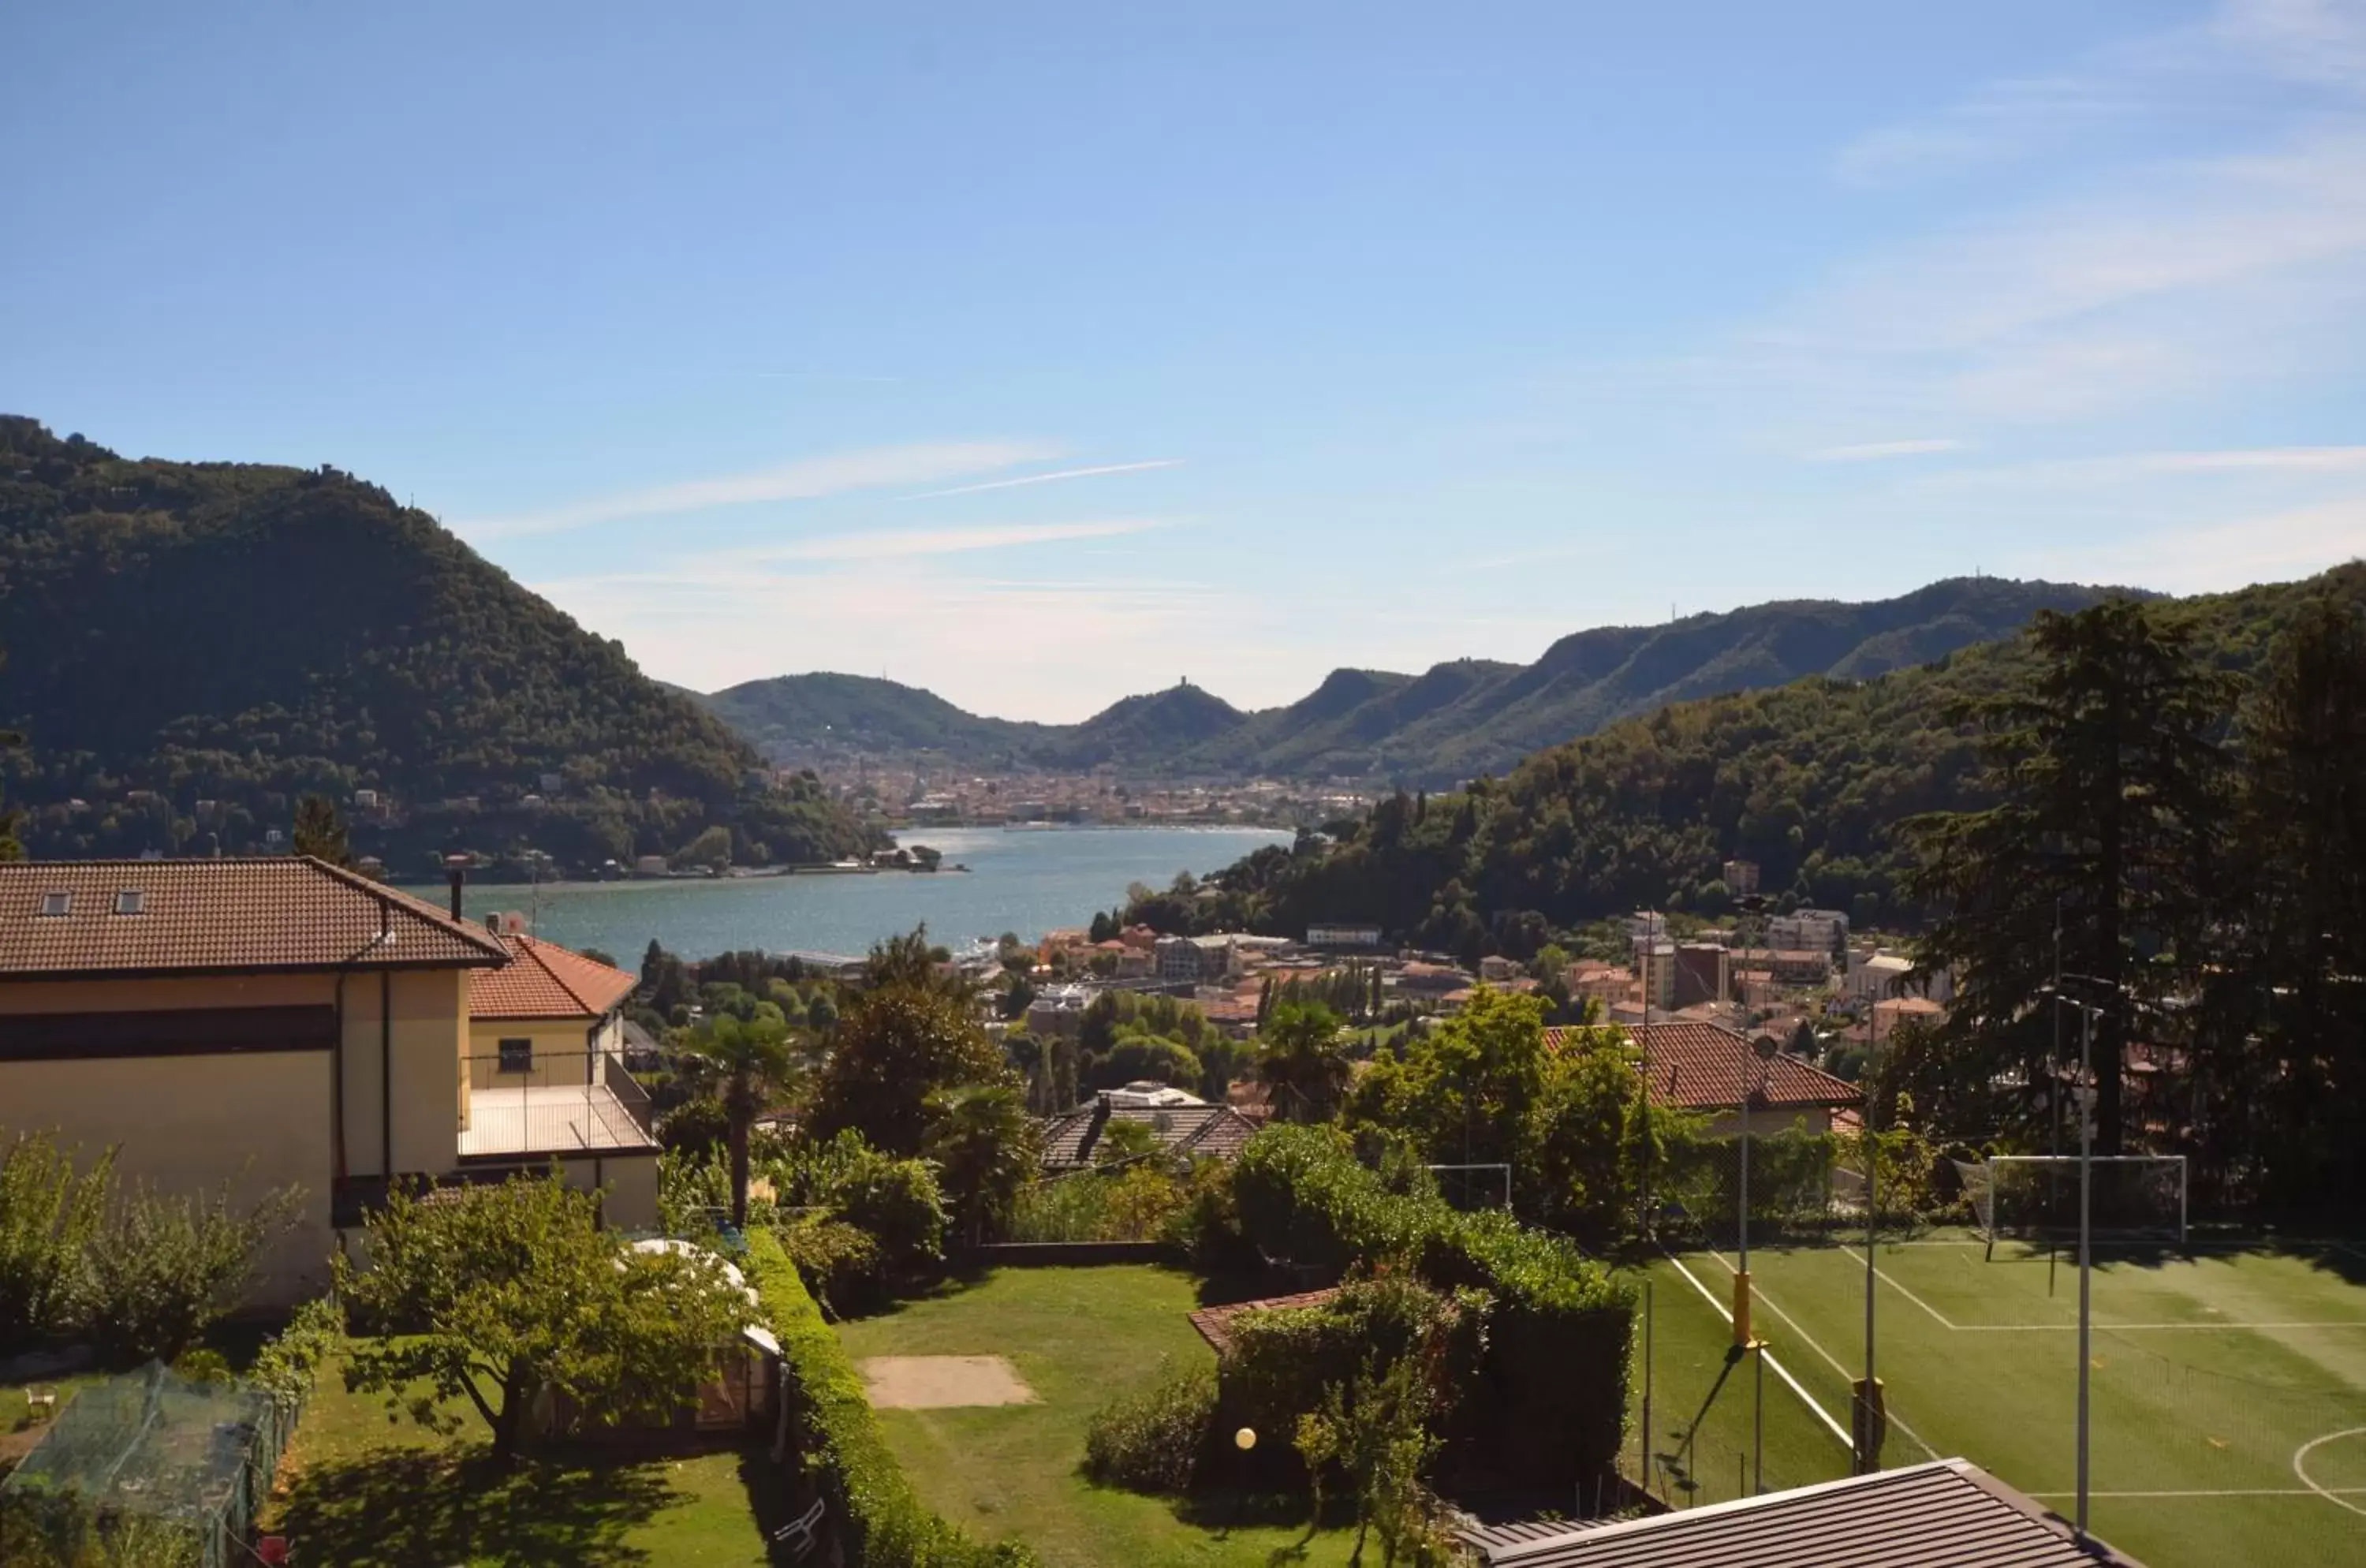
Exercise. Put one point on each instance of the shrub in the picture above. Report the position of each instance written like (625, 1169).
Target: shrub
(1284, 1359)
(287, 1363)
(839, 1263)
(696, 1126)
(48, 1218)
(1553, 1383)
(1155, 1439)
(167, 1267)
(879, 1521)
(897, 1202)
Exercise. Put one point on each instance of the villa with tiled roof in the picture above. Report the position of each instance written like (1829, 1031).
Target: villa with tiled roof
(256, 1023)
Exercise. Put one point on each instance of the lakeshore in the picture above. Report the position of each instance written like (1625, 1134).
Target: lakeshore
(1025, 883)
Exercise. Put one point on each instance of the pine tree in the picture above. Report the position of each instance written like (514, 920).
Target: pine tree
(319, 832)
(2286, 1063)
(2110, 808)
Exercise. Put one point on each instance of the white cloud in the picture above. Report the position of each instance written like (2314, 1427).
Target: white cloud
(2273, 47)
(1999, 121)
(1049, 478)
(2216, 557)
(890, 544)
(1869, 451)
(803, 479)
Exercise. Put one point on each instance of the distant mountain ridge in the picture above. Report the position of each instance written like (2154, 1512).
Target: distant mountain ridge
(1453, 721)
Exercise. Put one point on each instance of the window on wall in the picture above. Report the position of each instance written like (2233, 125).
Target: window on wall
(517, 1055)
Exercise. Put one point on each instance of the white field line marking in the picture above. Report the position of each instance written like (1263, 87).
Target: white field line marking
(1937, 1316)
(1780, 1371)
(1808, 1340)
(2102, 1325)
(2230, 1492)
(2330, 1494)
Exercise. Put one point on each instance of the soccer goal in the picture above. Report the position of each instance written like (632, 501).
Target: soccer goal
(2036, 1197)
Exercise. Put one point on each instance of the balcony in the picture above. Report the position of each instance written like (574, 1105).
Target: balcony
(553, 1103)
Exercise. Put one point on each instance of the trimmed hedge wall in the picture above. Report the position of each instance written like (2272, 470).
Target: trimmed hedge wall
(1550, 1407)
(879, 1521)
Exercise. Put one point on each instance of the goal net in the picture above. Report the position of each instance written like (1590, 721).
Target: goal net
(2036, 1197)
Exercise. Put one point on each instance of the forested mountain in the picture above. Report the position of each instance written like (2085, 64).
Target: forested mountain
(802, 719)
(194, 645)
(1457, 720)
(1808, 779)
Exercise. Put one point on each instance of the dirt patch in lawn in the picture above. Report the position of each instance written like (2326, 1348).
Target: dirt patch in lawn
(940, 1382)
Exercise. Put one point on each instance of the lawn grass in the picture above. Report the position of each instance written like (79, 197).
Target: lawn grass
(2209, 1374)
(1078, 1338)
(360, 1492)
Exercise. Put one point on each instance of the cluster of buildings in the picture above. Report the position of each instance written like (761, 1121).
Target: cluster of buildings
(1772, 970)
(919, 797)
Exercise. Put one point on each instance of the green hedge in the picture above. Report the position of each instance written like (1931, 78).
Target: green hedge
(1552, 1403)
(879, 1521)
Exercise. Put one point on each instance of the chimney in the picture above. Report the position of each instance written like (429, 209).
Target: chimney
(455, 871)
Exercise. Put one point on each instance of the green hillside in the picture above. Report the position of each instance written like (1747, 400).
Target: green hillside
(1452, 722)
(799, 720)
(1806, 779)
(193, 644)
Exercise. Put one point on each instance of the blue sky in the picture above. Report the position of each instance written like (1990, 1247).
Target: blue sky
(1040, 354)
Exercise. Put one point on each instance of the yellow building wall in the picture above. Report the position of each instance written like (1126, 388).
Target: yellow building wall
(561, 1054)
(189, 1125)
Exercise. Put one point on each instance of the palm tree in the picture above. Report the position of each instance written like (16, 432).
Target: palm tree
(754, 1061)
(1300, 1061)
(986, 1147)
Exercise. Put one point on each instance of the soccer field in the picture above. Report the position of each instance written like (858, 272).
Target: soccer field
(2228, 1386)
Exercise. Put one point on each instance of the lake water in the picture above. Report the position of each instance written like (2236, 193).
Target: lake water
(1025, 882)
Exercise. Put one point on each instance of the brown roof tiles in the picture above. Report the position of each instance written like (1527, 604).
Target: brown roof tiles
(289, 912)
(545, 980)
(1700, 1067)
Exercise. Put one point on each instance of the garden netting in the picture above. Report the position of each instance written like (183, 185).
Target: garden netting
(147, 1469)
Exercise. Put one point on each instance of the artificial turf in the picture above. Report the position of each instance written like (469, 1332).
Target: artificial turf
(2211, 1372)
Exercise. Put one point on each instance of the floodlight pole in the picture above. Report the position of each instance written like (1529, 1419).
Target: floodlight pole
(2086, 1194)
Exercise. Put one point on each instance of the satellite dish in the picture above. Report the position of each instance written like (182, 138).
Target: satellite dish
(1767, 1047)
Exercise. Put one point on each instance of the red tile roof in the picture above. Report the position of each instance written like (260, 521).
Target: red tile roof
(545, 980)
(287, 912)
(1215, 1322)
(1700, 1067)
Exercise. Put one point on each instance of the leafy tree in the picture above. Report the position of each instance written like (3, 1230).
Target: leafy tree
(1300, 1062)
(50, 1215)
(1373, 1430)
(909, 961)
(987, 1147)
(1016, 998)
(710, 848)
(2110, 796)
(320, 833)
(504, 1291)
(1464, 1091)
(165, 1268)
(896, 1045)
(1138, 1057)
(752, 1066)
(1123, 1141)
